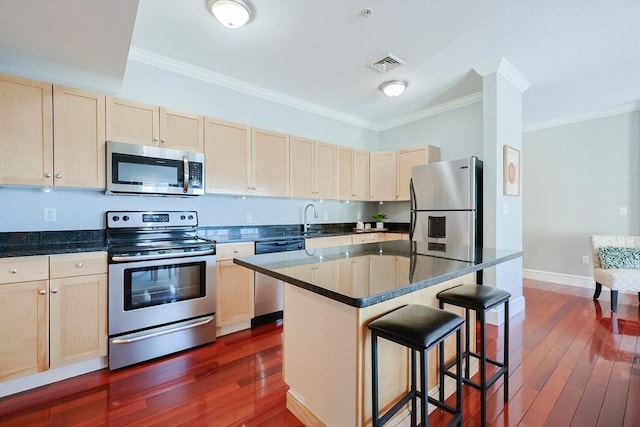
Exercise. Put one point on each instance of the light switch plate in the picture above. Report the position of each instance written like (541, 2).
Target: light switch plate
(49, 214)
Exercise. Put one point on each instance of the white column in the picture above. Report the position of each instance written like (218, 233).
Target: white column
(502, 88)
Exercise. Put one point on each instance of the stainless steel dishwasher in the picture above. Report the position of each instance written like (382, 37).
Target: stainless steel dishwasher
(268, 297)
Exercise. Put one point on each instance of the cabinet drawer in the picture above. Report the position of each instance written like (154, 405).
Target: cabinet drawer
(367, 237)
(80, 264)
(23, 269)
(227, 251)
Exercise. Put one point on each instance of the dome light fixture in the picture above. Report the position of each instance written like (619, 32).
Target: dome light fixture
(393, 88)
(230, 13)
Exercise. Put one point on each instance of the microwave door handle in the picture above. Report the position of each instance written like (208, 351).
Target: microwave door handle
(185, 174)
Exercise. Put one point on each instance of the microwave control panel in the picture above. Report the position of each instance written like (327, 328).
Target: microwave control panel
(195, 174)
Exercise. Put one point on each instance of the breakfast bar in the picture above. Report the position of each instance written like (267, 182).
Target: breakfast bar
(330, 296)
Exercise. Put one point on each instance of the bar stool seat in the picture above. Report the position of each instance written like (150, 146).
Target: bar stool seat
(480, 298)
(419, 328)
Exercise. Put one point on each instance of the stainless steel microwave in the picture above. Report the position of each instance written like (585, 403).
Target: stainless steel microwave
(133, 168)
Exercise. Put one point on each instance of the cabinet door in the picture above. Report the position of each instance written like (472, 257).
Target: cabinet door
(382, 274)
(182, 131)
(410, 158)
(301, 164)
(382, 176)
(79, 135)
(24, 329)
(26, 132)
(78, 329)
(227, 149)
(361, 175)
(346, 173)
(234, 293)
(270, 163)
(132, 122)
(326, 170)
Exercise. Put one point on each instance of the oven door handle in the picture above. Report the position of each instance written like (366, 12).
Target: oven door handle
(202, 322)
(118, 258)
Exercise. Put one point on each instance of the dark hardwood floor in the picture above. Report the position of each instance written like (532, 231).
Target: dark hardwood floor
(572, 364)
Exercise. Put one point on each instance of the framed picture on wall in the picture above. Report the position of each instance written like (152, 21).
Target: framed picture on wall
(511, 171)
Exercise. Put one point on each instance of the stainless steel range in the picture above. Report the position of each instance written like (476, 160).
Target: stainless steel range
(162, 296)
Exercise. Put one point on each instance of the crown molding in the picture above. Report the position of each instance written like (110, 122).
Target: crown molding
(613, 111)
(506, 70)
(165, 63)
(432, 111)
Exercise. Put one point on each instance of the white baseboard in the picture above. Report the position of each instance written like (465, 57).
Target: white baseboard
(20, 384)
(496, 315)
(560, 278)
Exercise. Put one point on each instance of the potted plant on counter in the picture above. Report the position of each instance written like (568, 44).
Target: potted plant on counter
(379, 218)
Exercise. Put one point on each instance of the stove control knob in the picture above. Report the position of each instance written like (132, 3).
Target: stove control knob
(125, 218)
(182, 217)
(115, 218)
(190, 216)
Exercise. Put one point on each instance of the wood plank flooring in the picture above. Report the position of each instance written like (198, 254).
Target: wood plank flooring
(572, 364)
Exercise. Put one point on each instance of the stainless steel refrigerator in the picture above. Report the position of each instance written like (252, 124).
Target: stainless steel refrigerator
(446, 205)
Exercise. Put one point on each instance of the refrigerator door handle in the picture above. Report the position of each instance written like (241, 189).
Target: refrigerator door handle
(412, 215)
(412, 194)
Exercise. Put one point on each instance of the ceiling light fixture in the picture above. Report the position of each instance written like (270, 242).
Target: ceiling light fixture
(230, 13)
(394, 88)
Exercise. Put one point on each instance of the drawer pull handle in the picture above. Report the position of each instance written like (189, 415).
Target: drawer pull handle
(54, 290)
(79, 264)
(13, 271)
(42, 292)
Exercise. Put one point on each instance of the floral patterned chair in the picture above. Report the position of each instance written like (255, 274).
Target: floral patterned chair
(615, 266)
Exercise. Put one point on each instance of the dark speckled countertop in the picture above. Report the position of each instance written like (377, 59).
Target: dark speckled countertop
(424, 266)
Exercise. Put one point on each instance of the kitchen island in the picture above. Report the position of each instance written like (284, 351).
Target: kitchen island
(331, 294)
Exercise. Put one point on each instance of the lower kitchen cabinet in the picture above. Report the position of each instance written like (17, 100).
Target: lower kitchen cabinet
(234, 288)
(53, 312)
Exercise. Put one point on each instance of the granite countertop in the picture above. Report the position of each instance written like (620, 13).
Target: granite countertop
(421, 266)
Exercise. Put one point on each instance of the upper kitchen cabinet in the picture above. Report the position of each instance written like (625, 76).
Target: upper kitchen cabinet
(313, 169)
(227, 148)
(79, 138)
(409, 158)
(26, 131)
(382, 176)
(269, 163)
(138, 123)
(353, 174)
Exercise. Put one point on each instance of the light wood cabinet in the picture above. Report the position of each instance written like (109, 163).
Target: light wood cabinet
(227, 149)
(53, 311)
(409, 158)
(26, 131)
(382, 176)
(269, 163)
(234, 288)
(369, 237)
(313, 169)
(139, 123)
(79, 138)
(353, 174)
(396, 236)
(325, 242)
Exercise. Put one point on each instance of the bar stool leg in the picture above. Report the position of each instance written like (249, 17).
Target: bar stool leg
(414, 398)
(483, 370)
(467, 333)
(441, 360)
(458, 376)
(374, 380)
(506, 351)
(424, 404)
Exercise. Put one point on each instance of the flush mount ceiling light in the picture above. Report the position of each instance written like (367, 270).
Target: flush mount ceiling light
(230, 13)
(393, 88)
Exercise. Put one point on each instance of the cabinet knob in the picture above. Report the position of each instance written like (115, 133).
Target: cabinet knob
(47, 175)
(13, 271)
(235, 251)
(54, 290)
(79, 264)
(42, 292)
(58, 175)
(162, 140)
(155, 139)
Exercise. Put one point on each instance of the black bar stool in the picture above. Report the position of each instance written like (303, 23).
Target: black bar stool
(419, 328)
(479, 298)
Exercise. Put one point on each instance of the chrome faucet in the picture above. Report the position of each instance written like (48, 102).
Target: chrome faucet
(305, 226)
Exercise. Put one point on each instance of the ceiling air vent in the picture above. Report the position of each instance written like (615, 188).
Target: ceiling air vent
(387, 63)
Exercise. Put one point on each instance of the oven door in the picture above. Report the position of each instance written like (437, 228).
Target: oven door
(144, 294)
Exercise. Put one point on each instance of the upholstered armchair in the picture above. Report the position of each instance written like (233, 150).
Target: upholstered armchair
(621, 270)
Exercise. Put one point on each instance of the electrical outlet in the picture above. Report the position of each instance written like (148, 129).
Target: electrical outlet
(359, 216)
(585, 259)
(249, 217)
(49, 214)
(623, 211)
(325, 216)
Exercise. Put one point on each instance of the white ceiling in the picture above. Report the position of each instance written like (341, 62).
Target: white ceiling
(580, 57)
